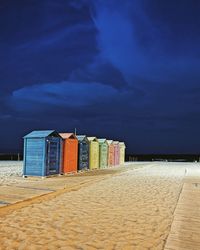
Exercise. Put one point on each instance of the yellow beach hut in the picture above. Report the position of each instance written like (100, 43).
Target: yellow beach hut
(122, 148)
(93, 153)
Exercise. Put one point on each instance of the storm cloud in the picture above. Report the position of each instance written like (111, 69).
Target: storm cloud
(127, 70)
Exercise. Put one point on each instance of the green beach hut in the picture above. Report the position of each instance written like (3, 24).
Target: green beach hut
(103, 153)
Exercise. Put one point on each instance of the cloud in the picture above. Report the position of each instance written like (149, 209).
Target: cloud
(99, 71)
(63, 94)
(47, 48)
(116, 39)
(139, 44)
(54, 38)
(124, 68)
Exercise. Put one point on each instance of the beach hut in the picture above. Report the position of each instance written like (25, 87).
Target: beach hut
(116, 152)
(103, 153)
(83, 152)
(93, 153)
(111, 161)
(122, 148)
(42, 153)
(69, 153)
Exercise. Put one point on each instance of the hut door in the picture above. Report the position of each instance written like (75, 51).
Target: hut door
(95, 154)
(53, 147)
(84, 151)
(104, 155)
(70, 150)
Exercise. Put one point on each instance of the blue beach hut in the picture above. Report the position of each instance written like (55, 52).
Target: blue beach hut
(83, 152)
(42, 153)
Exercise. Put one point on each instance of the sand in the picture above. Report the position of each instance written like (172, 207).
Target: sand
(131, 210)
(10, 172)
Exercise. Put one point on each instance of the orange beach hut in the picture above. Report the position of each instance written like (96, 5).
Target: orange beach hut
(70, 153)
(111, 161)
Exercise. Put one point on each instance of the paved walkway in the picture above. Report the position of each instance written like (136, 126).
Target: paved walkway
(185, 229)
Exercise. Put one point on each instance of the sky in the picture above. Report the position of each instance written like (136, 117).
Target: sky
(125, 70)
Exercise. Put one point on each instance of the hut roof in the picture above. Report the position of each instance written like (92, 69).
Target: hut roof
(81, 137)
(122, 144)
(92, 138)
(102, 140)
(41, 134)
(110, 141)
(68, 135)
(115, 142)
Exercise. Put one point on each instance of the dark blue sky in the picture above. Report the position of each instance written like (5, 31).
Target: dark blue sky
(128, 70)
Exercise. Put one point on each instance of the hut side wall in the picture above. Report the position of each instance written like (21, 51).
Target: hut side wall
(34, 151)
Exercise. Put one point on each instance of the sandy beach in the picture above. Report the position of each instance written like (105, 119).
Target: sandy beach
(10, 172)
(130, 210)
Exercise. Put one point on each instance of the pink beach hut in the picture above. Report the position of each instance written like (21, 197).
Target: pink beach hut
(116, 152)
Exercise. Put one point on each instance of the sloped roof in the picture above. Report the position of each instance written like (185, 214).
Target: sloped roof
(92, 138)
(68, 135)
(110, 141)
(115, 142)
(122, 144)
(41, 134)
(81, 137)
(102, 140)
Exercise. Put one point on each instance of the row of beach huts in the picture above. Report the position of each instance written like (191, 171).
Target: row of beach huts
(48, 152)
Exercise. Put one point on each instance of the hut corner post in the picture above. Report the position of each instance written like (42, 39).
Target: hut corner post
(44, 167)
(24, 162)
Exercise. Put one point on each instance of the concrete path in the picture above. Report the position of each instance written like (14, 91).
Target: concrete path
(185, 229)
